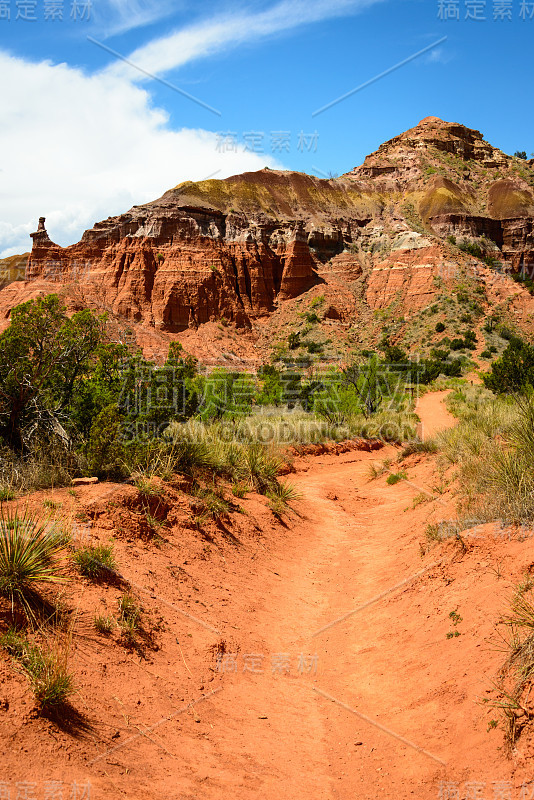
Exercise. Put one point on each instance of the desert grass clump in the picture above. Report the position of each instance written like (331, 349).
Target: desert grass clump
(494, 450)
(46, 668)
(377, 470)
(129, 616)
(430, 446)
(48, 466)
(261, 467)
(95, 561)
(30, 555)
(517, 673)
(53, 505)
(149, 488)
(396, 477)
(212, 503)
(446, 529)
(7, 493)
(388, 426)
(104, 625)
(190, 449)
(281, 495)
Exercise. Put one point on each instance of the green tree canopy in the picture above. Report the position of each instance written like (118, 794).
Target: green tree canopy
(42, 355)
(513, 371)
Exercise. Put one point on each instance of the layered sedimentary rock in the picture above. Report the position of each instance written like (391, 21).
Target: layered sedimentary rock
(13, 269)
(233, 248)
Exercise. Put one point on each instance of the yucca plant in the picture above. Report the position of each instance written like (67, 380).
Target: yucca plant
(194, 455)
(281, 495)
(212, 503)
(30, 552)
(261, 467)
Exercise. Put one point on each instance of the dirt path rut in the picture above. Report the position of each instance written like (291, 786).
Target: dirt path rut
(332, 699)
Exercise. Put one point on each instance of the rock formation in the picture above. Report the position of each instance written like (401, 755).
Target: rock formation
(235, 248)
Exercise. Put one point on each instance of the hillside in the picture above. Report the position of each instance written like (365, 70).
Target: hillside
(289, 580)
(227, 266)
(341, 653)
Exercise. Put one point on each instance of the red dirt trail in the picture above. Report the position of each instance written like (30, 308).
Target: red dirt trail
(433, 414)
(335, 678)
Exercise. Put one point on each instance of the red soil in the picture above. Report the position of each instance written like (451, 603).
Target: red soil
(378, 704)
(433, 414)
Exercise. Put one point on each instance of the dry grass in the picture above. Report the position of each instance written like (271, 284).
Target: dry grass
(493, 448)
(46, 664)
(517, 672)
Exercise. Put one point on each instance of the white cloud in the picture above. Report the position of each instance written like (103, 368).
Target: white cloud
(77, 148)
(208, 37)
(113, 17)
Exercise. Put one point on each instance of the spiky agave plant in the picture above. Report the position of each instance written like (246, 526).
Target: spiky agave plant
(281, 495)
(30, 550)
(261, 467)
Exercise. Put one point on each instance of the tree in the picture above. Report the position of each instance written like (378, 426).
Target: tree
(226, 394)
(272, 389)
(43, 353)
(513, 371)
(367, 381)
(105, 449)
(521, 154)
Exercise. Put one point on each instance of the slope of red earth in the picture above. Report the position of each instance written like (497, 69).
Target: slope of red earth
(305, 659)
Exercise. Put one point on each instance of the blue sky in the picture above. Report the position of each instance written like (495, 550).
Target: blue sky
(85, 135)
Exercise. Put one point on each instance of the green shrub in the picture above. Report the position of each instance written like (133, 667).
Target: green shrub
(440, 327)
(6, 494)
(95, 561)
(105, 450)
(514, 370)
(395, 477)
(314, 347)
(293, 341)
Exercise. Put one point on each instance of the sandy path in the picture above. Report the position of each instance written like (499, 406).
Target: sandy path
(304, 732)
(433, 414)
(338, 680)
